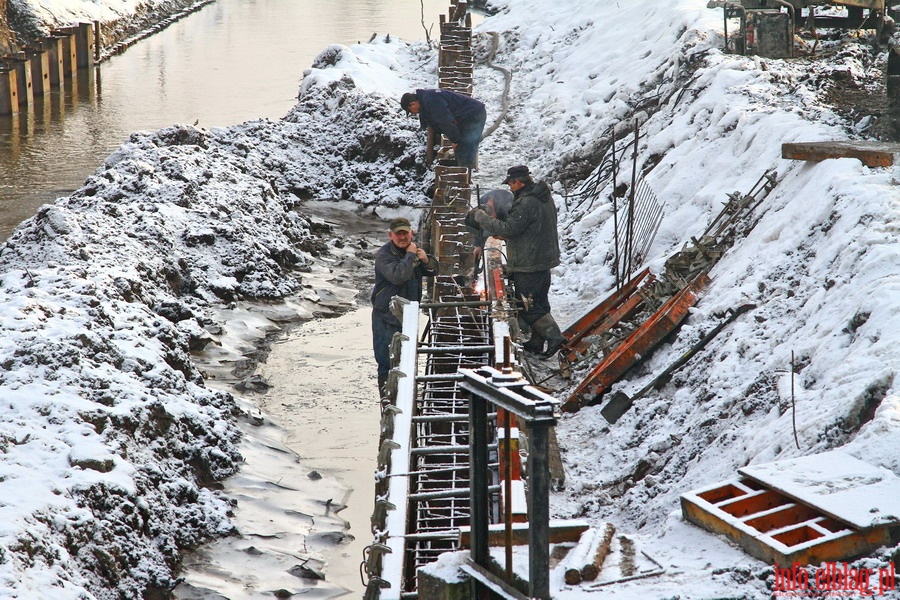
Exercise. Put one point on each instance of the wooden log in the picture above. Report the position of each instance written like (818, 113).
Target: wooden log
(598, 554)
(578, 555)
(572, 576)
(872, 154)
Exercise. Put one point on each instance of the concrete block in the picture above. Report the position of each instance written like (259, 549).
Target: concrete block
(436, 587)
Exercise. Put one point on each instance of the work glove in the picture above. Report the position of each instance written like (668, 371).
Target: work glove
(471, 223)
(479, 216)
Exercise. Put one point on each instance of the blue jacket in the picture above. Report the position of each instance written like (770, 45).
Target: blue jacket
(444, 110)
(398, 273)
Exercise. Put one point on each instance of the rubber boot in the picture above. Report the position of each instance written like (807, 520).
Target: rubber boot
(547, 328)
(535, 345)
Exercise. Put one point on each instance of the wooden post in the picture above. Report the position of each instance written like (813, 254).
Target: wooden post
(97, 40)
(69, 51)
(9, 95)
(84, 45)
(23, 78)
(39, 61)
(54, 50)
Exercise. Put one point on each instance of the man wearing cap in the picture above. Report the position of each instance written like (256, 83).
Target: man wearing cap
(461, 118)
(399, 267)
(532, 249)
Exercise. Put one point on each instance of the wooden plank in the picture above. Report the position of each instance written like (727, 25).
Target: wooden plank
(751, 504)
(561, 531)
(783, 516)
(872, 154)
(638, 344)
(557, 472)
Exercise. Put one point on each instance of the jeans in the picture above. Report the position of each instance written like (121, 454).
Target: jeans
(470, 132)
(382, 334)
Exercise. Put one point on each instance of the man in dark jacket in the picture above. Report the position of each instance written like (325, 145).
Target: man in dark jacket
(532, 249)
(461, 118)
(399, 267)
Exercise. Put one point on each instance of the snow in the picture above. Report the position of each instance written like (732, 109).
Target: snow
(110, 436)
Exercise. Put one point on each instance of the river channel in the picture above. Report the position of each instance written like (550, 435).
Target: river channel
(304, 496)
(231, 61)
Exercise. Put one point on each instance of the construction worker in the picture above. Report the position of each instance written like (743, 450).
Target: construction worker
(461, 118)
(532, 249)
(399, 267)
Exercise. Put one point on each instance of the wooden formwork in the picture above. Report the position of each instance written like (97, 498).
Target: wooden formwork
(787, 512)
(774, 529)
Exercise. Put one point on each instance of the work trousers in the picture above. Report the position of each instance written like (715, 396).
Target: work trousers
(470, 131)
(532, 291)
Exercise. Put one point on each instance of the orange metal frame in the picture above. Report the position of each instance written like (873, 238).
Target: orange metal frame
(636, 345)
(617, 306)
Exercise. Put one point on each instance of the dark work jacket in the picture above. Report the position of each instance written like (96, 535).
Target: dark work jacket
(444, 110)
(398, 273)
(532, 242)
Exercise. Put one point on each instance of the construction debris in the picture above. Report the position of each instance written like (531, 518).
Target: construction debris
(626, 326)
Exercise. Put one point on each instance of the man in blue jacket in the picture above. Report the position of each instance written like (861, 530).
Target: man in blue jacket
(399, 267)
(461, 118)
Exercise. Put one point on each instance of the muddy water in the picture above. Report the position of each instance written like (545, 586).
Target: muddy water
(304, 497)
(331, 402)
(305, 493)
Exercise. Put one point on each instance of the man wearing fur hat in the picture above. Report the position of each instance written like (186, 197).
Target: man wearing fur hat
(532, 249)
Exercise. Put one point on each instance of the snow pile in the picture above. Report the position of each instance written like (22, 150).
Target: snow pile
(822, 264)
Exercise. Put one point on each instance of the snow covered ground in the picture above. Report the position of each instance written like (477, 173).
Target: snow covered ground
(120, 21)
(112, 443)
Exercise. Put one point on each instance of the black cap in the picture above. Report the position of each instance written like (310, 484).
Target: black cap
(516, 172)
(407, 99)
(400, 224)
